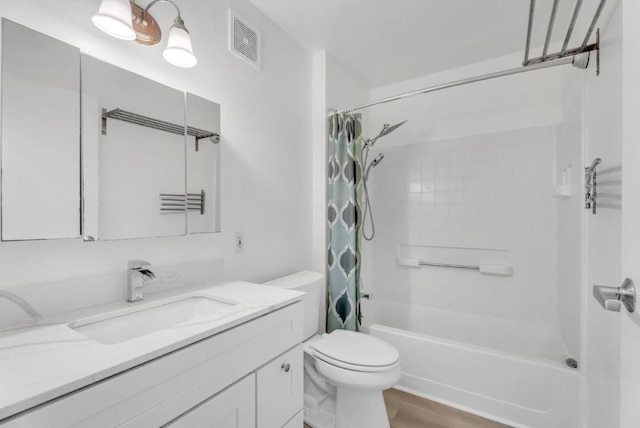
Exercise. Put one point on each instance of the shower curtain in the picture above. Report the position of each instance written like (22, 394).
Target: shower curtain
(344, 174)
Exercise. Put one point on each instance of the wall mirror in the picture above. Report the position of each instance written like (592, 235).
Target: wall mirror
(40, 136)
(146, 164)
(203, 164)
(147, 172)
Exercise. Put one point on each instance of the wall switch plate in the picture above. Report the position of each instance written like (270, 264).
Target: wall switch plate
(239, 242)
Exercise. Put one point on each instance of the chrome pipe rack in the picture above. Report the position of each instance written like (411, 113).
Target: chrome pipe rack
(572, 24)
(585, 47)
(182, 202)
(160, 125)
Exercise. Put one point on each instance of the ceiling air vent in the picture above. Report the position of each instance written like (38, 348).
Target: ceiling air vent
(244, 39)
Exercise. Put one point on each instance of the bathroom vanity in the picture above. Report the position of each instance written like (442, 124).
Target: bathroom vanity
(224, 356)
(105, 154)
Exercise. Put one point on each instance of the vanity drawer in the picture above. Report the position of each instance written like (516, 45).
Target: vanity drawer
(235, 407)
(279, 392)
(162, 389)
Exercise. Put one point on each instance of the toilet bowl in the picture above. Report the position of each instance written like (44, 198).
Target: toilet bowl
(345, 371)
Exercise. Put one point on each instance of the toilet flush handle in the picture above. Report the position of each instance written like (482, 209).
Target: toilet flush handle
(286, 367)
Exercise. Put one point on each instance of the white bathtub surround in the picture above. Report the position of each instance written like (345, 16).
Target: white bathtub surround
(52, 359)
(503, 370)
(518, 391)
(513, 338)
(491, 194)
(467, 338)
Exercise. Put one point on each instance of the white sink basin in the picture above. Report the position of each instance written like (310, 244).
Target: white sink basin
(122, 327)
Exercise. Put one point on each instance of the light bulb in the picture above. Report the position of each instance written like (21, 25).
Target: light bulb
(114, 18)
(179, 51)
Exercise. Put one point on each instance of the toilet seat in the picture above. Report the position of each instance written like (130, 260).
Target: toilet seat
(356, 351)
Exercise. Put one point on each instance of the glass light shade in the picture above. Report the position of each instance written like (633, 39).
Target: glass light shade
(114, 18)
(179, 51)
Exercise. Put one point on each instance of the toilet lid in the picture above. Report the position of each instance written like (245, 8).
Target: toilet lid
(355, 349)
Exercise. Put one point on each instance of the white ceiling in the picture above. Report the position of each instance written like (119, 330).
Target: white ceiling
(387, 41)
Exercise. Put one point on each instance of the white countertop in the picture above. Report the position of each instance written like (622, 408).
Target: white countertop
(50, 359)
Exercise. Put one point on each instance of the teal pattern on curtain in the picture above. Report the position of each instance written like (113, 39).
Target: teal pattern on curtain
(344, 174)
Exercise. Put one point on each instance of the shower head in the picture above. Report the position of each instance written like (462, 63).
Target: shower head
(386, 130)
(372, 164)
(593, 166)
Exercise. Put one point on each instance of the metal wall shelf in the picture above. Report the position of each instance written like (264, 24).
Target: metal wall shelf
(149, 122)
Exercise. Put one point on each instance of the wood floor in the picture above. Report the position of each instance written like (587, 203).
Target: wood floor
(408, 411)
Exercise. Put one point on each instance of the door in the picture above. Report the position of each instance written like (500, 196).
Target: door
(630, 323)
(279, 392)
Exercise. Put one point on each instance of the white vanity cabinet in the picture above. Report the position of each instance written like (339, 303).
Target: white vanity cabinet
(247, 376)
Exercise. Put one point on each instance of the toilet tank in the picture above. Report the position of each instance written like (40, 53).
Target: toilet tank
(312, 284)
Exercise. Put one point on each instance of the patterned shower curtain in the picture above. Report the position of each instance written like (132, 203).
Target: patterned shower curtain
(344, 220)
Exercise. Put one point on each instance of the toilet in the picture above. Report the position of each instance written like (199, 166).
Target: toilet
(345, 371)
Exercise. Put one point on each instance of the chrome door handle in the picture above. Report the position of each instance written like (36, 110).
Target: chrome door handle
(612, 298)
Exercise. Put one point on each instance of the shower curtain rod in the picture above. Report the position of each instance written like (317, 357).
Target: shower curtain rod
(579, 56)
(578, 62)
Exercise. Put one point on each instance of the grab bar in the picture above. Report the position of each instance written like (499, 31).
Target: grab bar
(448, 265)
(482, 268)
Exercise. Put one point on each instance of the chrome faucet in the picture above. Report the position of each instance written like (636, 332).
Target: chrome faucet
(138, 276)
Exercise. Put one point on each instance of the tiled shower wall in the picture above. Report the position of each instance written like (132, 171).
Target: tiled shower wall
(491, 191)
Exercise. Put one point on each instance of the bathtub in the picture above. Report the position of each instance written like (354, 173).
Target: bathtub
(509, 372)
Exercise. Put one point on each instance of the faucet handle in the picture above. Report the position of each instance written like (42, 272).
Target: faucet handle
(612, 298)
(138, 264)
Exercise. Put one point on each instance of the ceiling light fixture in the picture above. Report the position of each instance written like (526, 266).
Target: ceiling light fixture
(126, 20)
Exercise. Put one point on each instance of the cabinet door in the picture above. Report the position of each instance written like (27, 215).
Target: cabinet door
(232, 408)
(40, 136)
(280, 393)
(297, 421)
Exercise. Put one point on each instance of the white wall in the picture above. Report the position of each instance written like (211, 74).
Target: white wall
(266, 145)
(344, 90)
(319, 154)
